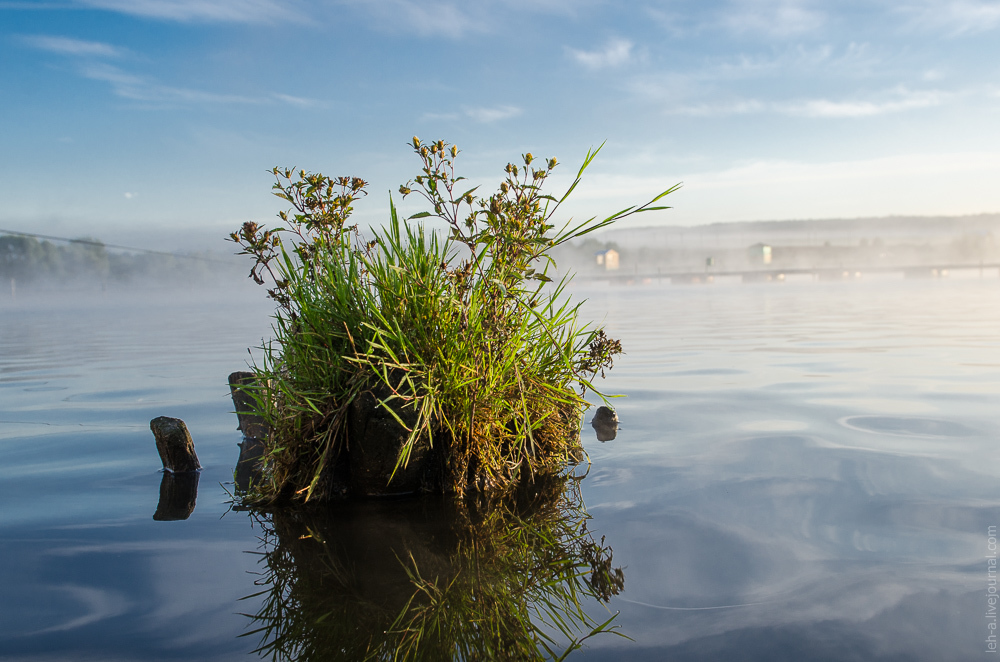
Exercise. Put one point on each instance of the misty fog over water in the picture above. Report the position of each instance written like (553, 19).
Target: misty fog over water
(804, 470)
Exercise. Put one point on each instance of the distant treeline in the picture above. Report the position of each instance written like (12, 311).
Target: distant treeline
(667, 249)
(29, 261)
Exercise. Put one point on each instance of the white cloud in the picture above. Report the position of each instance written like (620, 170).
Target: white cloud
(953, 17)
(129, 195)
(616, 53)
(72, 47)
(213, 11)
(489, 115)
(896, 101)
(776, 18)
(708, 88)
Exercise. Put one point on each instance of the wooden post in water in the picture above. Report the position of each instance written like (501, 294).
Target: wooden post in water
(174, 444)
(241, 385)
(255, 430)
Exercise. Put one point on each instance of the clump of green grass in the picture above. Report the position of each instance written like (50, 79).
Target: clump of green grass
(464, 339)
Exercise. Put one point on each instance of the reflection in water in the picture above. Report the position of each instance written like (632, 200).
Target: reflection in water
(605, 423)
(910, 426)
(178, 494)
(433, 578)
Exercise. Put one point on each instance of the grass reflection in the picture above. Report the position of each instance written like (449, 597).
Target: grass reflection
(434, 578)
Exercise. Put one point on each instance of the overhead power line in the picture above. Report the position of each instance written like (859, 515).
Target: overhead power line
(92, 242)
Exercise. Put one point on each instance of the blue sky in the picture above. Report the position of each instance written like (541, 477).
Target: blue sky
(158, 120)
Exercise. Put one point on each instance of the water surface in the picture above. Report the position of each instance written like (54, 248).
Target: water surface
(804, 471)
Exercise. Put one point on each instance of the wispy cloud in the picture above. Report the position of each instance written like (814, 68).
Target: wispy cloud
(428, 18)
(455, 19)
(30, 5)
(299, 102)
(98, 605)
(494, 114)
(479, 114)
(139, 88)
(617, 52)
(89, 59)
(204, 11)
(72, 47)
(852, 59)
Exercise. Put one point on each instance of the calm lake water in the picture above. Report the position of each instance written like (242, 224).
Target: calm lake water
(804, 471)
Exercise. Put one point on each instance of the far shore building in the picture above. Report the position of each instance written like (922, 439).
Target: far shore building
(608, 259)
(760, 254)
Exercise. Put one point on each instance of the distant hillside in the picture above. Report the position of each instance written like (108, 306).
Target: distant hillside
(26, 261)
(843, 231)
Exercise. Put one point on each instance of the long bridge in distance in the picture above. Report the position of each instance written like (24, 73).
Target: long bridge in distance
(773, 274)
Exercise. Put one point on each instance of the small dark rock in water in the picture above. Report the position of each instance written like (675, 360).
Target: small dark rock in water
(173, 442)
(605, 423)
(178, 494)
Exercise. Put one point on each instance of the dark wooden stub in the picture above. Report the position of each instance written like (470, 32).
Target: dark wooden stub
(174, 444)
(255, 429)
(248, 465)
(252, 425)
(178, 494)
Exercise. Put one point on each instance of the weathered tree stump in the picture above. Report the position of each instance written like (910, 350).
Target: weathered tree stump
(251, 424)
(255, 430)
(363, 468)
(248, 465)
(178, 494)
(374, 440)
(174, 444)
